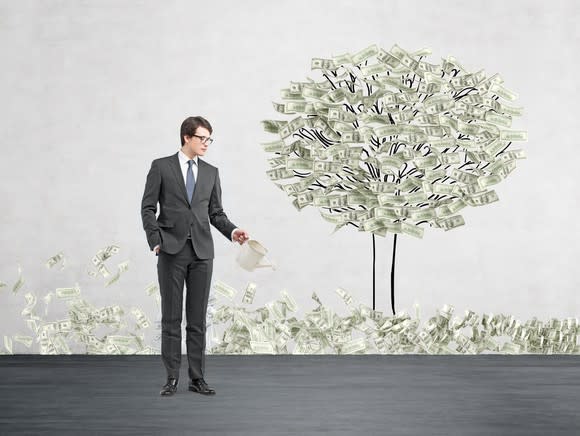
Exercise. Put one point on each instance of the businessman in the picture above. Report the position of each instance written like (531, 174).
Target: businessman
(189, 195)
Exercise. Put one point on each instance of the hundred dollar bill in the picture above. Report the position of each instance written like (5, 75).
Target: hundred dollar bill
(346, 297)
(272, 126)
(334, 218)
(422, 214)
(103, 255)
(249, 293)
(489, 180)
(20, 282)
(442, 188)
(512, 110)
(299, 164)
(225, 290)
(102, 269)
(294, 107)
(24, 340)
(8, 344)
(500, 120)
(47, 300)
(463, 176)
(262, 347)
(376, 315)
(499, 90)
(276, 310)
(431, 175)
(365, 54)
(64, 293)
(122, 267)
(483, 198)
(30, 303)
(64, 325)
(110, 250)
(280, 173)
(425, 162)
(323, 64)
(511, 154)
(412, 230)
(451, 222)
(289, 301)
(370, 70)
(502, 168)
(341, 115)
(151, 289)
(513, 135)
(315, 298)
(391, 199)
(142, 320)
(56, 259)
(126, 341)
(342, 59)
(354, 346)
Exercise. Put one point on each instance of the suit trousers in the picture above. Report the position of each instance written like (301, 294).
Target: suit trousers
(173, 271)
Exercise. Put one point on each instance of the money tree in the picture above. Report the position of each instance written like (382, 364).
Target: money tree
(387, 142)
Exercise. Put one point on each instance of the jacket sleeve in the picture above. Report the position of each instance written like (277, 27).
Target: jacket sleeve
(149, 206)
(217, 216)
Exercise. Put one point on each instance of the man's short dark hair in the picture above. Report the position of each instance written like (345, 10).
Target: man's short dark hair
(190, 125)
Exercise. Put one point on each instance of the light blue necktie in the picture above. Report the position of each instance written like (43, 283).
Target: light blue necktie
(190, 181)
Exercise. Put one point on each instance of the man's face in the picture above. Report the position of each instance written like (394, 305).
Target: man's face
(194, 144)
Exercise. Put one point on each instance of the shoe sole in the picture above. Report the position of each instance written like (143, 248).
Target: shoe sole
(202, 393)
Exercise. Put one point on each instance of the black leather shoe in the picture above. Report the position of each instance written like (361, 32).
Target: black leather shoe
(170, 387)
(200, 386)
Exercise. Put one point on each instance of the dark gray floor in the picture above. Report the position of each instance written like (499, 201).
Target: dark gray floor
(294, 395)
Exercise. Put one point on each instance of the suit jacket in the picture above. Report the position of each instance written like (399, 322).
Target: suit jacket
(176, 216)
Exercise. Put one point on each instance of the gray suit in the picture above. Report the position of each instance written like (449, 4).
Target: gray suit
(186, 254)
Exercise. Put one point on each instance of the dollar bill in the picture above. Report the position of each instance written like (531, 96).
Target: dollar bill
(249, 293)
(53, 260)
(225, 290)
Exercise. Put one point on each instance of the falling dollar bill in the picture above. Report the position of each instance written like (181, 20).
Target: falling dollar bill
(20, 282)
(142, 320)
(249, 293)
(52, 261)
(68, 292)
(8, 344)
(122, 267)
(224, 290)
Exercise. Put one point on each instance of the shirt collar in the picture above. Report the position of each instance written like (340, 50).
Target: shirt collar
(183, 158)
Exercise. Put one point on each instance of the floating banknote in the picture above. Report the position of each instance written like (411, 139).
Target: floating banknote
(224, 290)
(122, 267)
(52, 261)
(249, 293)
(20, 282)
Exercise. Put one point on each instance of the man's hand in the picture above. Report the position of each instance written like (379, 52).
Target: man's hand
(156, 250)
(240, 236)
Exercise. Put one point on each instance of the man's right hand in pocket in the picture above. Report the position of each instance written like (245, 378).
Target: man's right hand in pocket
(156, 249)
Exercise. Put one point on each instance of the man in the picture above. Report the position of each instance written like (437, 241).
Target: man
(188, 191)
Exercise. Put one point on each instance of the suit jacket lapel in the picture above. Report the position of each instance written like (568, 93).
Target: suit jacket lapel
(200, 177)
(178, 175)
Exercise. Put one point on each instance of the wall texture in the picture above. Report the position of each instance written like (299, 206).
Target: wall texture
(92, 92)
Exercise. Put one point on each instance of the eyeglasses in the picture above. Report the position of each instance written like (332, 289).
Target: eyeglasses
(204, 139)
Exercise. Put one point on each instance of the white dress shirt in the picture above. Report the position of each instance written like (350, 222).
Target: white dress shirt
(183, 159)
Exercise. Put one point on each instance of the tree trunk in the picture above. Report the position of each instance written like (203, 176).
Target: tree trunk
(373, 235)
(393, 274)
